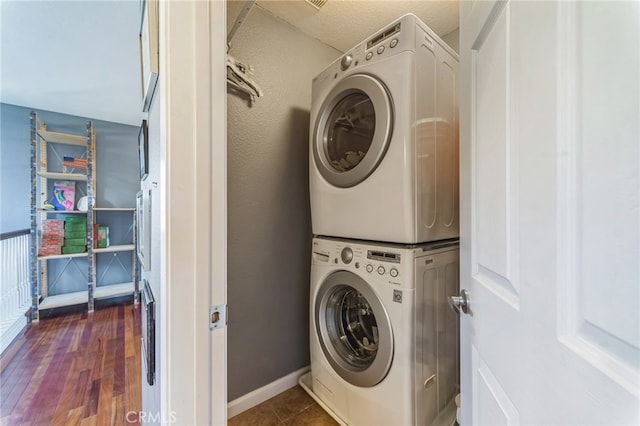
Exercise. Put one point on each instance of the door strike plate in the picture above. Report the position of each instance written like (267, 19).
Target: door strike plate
(217, 316)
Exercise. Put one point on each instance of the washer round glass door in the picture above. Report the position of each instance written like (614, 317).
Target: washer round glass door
(353, 130)
(354, 329)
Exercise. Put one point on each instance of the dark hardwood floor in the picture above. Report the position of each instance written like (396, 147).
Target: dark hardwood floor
(77, 369)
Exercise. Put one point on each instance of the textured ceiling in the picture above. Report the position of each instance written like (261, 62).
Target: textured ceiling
(344, 23)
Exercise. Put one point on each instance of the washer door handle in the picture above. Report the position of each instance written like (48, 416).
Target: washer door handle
(461, 303)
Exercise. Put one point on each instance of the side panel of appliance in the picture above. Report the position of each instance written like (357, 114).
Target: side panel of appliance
(437, 337)
(436, 140)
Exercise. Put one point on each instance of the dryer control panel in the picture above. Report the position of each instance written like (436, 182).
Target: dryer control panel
(397, 37)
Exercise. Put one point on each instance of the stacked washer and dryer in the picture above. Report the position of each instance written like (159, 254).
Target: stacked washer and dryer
(384, 206)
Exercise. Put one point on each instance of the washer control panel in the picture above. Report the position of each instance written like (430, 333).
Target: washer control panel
(342, 254)
(378, 262)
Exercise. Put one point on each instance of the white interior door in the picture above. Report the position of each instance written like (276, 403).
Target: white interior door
(550, 212)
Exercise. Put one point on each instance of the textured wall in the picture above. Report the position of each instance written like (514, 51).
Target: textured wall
(269, 228)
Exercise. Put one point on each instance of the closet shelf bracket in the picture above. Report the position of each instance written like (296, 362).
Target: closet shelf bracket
(239, 74)
(239, 20)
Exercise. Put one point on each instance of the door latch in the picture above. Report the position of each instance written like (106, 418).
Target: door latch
(461, 303)
(217, 316)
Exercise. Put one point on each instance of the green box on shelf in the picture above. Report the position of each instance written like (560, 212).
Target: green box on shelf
(73, 249)
(75, 226)
(75, 219)
(103, 236)
(76, 234)
(75, 242)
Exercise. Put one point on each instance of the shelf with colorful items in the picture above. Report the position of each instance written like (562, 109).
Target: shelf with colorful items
(62, 171)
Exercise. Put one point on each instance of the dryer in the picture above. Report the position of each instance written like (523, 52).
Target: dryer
(384, 342)
(384, 139)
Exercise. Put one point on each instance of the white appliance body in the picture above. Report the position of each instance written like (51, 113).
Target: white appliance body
(384, 139)
(383, 340)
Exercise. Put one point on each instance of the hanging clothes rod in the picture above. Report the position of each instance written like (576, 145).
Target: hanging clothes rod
(239, 20)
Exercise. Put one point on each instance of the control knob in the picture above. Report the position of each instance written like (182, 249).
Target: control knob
(346, 61)
(346, 255)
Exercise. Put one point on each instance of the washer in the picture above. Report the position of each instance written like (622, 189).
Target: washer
(384, 139)
(383, 340)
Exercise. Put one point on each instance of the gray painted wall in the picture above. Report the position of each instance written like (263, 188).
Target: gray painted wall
(14, 168)
(269, 224)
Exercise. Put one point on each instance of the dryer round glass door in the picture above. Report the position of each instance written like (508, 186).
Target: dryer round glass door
(353, 130)
(354, 329)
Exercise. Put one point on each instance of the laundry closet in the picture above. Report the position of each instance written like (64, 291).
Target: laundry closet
(269, 219)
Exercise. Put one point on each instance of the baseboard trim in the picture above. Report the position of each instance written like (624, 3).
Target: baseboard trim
(268, 391)
(7, 336)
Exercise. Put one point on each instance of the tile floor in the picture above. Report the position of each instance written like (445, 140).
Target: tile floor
(291, 407)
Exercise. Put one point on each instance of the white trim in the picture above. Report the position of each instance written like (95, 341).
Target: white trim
(8, 335)
(191, 129)
(217, 118)
(260, 395)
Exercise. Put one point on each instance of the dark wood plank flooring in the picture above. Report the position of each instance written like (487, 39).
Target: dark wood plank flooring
(77, 369)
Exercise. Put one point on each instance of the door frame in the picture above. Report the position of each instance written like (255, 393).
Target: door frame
(193, 131)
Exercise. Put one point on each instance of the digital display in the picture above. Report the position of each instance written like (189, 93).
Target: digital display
(384, 256)
(383, 36)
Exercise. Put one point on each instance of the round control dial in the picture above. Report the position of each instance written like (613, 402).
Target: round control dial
(381, 270)
(346, 255)
(369, 267)
(393, 272)
(346, 62)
